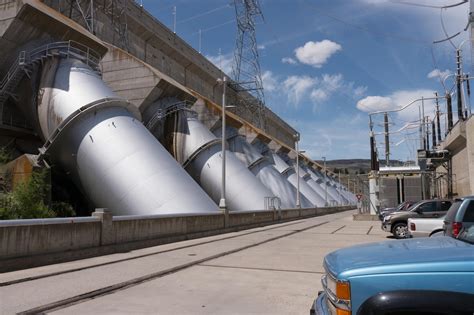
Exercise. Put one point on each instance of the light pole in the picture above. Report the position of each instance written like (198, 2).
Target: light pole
(222, 204)
(325, 183)
(298, 200)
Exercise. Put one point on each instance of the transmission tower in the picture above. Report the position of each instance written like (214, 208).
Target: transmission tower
(85, 13)
(246, 68)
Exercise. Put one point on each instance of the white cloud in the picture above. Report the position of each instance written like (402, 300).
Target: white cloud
(261, 47)
(314, 90)
(289, 61)
(297, 86)
(327, 86)
(319, 95)
(223, 62)
(398, 100)
(270, 83)
(332, 82)
(360, 91)
(438, 74)
(316, 54)
(375, 103)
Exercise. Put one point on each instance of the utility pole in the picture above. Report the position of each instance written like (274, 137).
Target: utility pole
(222, 202)
(427, 135)
(420, 129)
(387, 142)
(468, 88)
(423, 127)
(449, 110)
(298, 200)
(438, 118)
(174, 19)
(200, 35)
(325, 183)
(459, 80)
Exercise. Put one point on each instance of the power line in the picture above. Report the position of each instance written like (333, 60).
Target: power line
(369, 30)
(213, 27)
(428, 5)
(203, 14)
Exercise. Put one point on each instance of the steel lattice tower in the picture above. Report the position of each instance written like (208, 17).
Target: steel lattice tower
(246, 68)
(85, 11)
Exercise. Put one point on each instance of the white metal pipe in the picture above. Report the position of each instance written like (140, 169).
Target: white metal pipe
(337, 188)
(262, 168)
(290, 173)
(305, 176)
(203, 161)
(316, 184)
(344, 193)
(99, 140)
(326, 185)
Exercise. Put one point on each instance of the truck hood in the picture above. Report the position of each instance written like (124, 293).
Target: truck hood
(400, 212)
(414, 255)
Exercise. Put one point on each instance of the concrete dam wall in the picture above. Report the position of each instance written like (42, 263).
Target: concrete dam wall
(135, 140)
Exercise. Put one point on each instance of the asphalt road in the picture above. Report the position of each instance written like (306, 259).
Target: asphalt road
(271, 270)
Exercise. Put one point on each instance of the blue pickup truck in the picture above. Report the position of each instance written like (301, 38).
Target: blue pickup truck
(416, 276)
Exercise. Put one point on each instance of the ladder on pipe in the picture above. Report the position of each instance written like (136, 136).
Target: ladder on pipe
(27, 60)
(163, 112)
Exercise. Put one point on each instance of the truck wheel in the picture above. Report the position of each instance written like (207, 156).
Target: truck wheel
(400, 230)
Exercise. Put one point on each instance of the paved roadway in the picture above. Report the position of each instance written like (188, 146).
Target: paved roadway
(270, 270)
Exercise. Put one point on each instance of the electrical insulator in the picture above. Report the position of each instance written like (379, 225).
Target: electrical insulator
(468, 85)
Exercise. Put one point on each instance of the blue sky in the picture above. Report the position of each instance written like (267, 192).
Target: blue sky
(326, 63)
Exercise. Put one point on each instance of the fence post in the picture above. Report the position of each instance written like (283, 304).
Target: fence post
(107, 228)
(226, 218)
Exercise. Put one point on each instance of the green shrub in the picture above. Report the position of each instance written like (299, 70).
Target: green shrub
(27, 199)
(5, 156)
(63, 209)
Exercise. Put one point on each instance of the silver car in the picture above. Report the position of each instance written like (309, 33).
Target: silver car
(459, 217)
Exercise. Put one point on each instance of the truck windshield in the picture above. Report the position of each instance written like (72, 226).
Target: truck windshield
(401, 206)
(467, 235)
(415, 205)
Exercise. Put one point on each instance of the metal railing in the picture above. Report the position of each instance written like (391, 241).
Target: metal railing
(65, 49)
(171, 109)
(272, 203)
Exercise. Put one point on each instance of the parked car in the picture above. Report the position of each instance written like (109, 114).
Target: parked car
(401, 207)
(416, 276)
(419, 227)
(397, 222)
(459, 216)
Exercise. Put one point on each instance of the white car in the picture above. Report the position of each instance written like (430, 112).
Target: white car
(419, 227)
